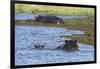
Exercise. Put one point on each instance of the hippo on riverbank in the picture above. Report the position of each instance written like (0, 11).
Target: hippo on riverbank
(49, 19)
(70, 45)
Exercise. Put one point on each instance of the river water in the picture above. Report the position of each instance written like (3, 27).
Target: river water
(27, 36)
(32, 16)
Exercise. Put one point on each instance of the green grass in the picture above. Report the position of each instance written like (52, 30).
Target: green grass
(53, 10)
(85, 24)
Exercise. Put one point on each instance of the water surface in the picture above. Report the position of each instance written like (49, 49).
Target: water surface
(32, 16)
(27, 36)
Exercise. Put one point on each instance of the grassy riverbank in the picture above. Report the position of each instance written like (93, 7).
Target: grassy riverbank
(54, 10)
(85, 24)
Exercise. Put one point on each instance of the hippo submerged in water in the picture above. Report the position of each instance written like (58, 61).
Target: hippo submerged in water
(39, 46)
(70, 45)
(49, 19)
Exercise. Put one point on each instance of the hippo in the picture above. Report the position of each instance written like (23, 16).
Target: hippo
(39, 46)
(49, 19)
(69, 45)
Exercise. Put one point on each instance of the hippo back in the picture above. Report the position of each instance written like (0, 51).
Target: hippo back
(49, 19)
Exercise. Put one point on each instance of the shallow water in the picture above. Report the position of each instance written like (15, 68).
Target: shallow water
(32, 16)
(27, 36)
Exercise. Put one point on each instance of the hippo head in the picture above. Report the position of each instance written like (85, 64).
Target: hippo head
(70, 41)
(71, 45)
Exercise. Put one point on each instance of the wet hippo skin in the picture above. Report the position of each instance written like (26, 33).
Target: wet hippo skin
(49, 19)
(69, 45)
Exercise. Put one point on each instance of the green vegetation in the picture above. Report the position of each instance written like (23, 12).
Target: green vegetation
(85, 24)
(54, 10)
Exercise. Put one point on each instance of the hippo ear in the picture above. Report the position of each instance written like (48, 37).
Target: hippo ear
(66, 41)
(75, 40)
